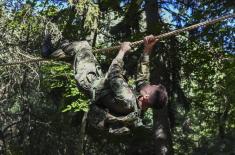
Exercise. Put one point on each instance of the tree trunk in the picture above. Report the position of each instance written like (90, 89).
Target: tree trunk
(82, 134)
(223, 117)
(162, 132)
(161, 127)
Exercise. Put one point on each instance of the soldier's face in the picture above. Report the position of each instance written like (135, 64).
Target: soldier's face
(144, 102)
(146, 98)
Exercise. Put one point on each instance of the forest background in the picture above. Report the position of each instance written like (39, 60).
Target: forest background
(41, 109)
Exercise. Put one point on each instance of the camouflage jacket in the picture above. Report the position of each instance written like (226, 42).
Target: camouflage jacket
(143, 72)
(114, 92)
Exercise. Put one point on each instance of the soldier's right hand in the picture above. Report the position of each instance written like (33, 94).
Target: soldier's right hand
(125, 47)
(149, 42)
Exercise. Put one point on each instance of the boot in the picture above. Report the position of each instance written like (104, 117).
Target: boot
(48, 50)
(47, 47)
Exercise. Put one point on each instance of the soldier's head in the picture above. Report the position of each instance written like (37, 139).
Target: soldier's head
(154, 96)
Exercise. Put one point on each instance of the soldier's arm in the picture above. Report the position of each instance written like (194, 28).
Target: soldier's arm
(143, 68)
(143, 71)
(124, 96)
(116, 68)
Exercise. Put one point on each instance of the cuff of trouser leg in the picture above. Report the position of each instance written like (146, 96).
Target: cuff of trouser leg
(73, 48)
(59, 53)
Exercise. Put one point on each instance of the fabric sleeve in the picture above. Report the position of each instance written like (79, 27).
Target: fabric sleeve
(143, 71)
(123, 94)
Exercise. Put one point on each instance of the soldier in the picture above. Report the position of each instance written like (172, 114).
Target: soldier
(113, 100)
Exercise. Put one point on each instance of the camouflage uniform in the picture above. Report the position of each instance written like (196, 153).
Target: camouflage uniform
(114, 100)
(143, 72)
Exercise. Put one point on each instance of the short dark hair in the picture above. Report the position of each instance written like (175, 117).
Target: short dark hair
(158, 97)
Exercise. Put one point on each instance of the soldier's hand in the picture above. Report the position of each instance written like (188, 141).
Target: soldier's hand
(125, 47)
(149, 42)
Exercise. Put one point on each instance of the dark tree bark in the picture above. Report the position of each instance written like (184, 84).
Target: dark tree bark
(162, 131)
(130, 23)
(223, 116)
(82, 134)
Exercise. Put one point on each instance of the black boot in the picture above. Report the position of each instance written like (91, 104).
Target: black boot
(47, 47)
(48, 50)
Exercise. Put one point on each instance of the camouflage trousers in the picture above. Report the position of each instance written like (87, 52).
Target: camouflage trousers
(87, 70)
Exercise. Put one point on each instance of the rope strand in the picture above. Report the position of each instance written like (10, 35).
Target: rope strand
(175, 32)
(133, 44)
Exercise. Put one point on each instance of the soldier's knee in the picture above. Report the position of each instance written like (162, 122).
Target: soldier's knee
(78, 45)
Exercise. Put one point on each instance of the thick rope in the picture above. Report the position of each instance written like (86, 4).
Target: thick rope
(133, 44)
(175, 32)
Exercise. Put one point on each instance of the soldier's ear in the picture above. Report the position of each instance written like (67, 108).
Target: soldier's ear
(146, 97)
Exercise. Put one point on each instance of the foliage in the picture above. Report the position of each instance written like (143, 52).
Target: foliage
(41, 109)
(60, 77)
(92, 13)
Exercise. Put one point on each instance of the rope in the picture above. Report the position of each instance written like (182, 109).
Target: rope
(31, 61)
(133, 44)
(175, 32)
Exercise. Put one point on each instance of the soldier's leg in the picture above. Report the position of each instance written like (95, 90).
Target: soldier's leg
(86, 68)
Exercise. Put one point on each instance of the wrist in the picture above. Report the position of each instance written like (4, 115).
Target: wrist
(147, 50)
(122, 51)
(121, 54)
